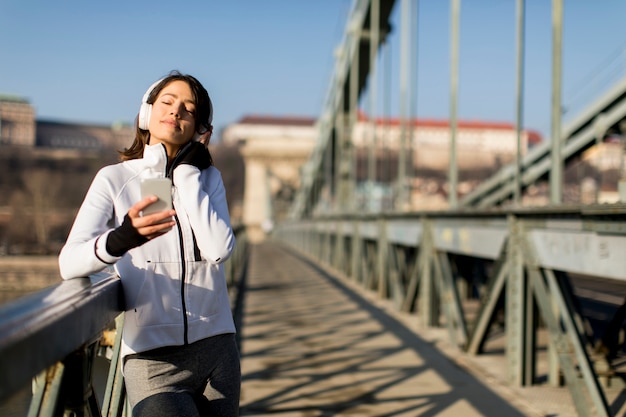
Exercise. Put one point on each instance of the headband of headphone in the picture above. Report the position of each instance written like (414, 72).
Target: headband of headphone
(146, 109)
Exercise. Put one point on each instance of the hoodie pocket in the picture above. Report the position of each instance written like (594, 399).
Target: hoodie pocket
(159, 299)
(204, 290)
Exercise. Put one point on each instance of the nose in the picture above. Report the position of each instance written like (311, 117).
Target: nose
(177, 109)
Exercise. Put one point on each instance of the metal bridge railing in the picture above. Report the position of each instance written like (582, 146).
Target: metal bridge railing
(49, 343)
(519, 262)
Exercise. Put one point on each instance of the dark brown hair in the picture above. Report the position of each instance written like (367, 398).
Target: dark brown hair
(204, 114)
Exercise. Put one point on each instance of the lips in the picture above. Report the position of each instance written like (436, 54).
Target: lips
(172, 123)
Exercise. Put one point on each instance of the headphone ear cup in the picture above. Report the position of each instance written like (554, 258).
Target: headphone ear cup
(145, 110)
(144, 116)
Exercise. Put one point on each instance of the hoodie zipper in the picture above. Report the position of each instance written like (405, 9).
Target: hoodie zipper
(181, 242)
(183, 273)
(169, 172)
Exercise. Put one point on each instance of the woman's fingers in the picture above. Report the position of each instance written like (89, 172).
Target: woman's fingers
(151, 225)
(156, 229)
(137, 208)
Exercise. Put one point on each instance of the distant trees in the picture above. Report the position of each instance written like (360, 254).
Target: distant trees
(40, 191)
(42, 188)
(229, 161)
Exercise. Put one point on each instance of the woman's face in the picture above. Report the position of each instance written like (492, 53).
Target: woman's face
(173, 121)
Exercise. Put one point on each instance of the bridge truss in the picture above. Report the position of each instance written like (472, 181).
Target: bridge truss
(527, 254)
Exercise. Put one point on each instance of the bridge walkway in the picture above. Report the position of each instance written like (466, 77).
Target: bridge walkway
(314, 344)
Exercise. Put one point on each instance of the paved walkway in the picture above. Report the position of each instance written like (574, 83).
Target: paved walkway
(313, 345)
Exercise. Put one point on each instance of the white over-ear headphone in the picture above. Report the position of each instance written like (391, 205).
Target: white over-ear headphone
(146, 109)
(143, 121)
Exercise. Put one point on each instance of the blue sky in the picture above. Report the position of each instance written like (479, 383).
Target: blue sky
(92, 61)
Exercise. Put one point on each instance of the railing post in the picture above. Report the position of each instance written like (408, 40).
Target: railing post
(428, 305)
(115, 394)
(519, 318)
(383, 259)
(66, 388)
(355, 259)
(47, 386)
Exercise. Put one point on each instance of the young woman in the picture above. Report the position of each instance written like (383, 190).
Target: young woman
(179, 351)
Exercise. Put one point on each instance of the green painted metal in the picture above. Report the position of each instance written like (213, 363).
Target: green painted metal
(428, 306)
(382, 262)
(114, 401)
(47, 386)
(519, 102)
(398, 275)
(355, 258)
(578, 342)
(374, 40)
(563, 348)
(414, 277)
(65, 389)
(450, 300)
(420, 278)
(556, 157)
(516, 308)
(366, 29)
(488, 303)
(367, 23)
(453, 171)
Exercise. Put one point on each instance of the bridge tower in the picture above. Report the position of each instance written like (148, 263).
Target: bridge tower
(274, 151)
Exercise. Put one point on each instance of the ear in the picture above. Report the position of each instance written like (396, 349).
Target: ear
(205, 137)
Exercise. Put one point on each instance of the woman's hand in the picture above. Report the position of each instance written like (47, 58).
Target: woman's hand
(151, 225)
(196, 154)
(136, 230)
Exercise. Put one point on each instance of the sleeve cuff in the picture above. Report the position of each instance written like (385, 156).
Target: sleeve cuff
(101, 252)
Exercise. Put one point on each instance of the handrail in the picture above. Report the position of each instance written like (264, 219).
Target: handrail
(34, 330)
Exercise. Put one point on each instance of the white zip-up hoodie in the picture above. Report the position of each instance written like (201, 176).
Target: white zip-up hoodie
(174, 285)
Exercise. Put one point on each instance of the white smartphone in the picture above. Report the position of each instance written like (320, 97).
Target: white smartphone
(160, 187)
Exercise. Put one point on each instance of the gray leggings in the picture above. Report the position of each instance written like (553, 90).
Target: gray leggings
(197, 380)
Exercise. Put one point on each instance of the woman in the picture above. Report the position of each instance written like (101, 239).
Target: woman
(179, 351)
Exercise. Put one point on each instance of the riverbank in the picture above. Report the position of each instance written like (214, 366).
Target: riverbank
(23, 275)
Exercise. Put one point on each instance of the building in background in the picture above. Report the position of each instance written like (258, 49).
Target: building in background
(275, 150)
(17, 121)
(63, 135)
(19, 127)
(480, 144)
